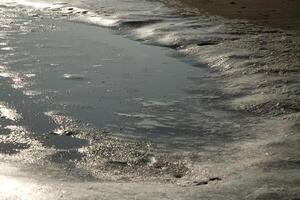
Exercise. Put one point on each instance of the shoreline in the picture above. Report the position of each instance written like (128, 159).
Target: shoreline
(217, 115)
(284, 14)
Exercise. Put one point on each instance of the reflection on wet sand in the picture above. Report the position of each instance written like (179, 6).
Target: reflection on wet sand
(119, 117)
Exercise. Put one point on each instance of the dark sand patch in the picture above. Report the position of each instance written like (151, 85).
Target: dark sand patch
(275, 13)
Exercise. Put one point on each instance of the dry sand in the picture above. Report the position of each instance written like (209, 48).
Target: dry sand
(283, 14)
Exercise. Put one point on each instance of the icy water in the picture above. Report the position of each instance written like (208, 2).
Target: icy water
(131, 99)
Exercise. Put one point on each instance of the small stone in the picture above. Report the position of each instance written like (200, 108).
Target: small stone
(215, 179)
(200, 182)
(178, 175)
(53, 133)
(118, 162)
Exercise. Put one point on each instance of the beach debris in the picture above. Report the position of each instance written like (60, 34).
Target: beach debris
(73, 76)
(121, 163)
(35, 15)
(70, 133)
(205, 182)
(178, 175)
(64, 132)
(146, 160)
(200, 182)
(206, 43)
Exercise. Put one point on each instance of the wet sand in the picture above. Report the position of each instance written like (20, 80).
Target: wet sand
(40, 159)
(283, 14)
(232, 133)
(22, 183)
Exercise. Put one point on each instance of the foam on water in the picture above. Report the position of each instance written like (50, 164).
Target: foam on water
(97, 20)
(38, 5)
(17, 80)
(32, 92)
(6, 49)
(9, 113)
(73, 76)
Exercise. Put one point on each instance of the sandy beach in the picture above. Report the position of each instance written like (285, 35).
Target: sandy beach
(283, 14)
(126, 99)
